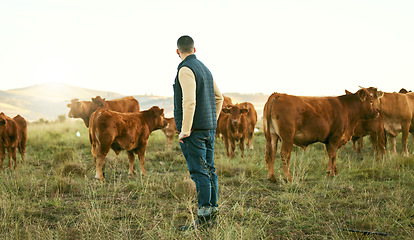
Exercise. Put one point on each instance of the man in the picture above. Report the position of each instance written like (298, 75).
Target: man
(197, 104)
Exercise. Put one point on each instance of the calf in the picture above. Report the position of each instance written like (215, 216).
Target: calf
(251, 121)
(122, 131)
(84, 109)
(13, 135)
(226, 102)
(233, 127)
(169, 131)
(375, 129)
(306, 120)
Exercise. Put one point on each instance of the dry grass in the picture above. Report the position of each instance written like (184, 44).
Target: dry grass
(54, 195)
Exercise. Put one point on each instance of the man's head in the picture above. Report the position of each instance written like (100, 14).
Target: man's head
(185, 46)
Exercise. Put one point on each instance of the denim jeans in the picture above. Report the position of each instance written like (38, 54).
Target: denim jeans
(198, 151)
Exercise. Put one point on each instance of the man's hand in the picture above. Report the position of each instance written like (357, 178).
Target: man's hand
(181, 136)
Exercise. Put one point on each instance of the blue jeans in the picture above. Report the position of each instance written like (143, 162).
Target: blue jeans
(198, 151)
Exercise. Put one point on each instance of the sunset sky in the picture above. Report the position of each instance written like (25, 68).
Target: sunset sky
(300, 47)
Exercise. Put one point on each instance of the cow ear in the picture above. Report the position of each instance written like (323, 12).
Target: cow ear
(157, 111)
(244, 111)
(69, 105)
(226, 110)
(380, 94)
(362, 94)
(161, 111)
(347, 92)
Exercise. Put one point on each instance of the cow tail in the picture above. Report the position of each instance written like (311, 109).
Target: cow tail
(268, 117)
(267, 121)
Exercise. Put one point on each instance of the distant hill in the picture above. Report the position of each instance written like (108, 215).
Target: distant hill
(60, 91)
(48, 101)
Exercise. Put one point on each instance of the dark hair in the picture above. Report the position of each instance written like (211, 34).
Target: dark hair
(185, 44)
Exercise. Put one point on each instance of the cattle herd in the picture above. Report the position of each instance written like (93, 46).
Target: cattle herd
(293, 120)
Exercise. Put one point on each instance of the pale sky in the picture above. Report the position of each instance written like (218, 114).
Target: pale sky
(299, 47)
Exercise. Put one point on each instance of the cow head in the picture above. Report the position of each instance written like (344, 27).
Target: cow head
(158, 115)
(377, 95)
(98, 102)
(76, 108)
(2, 122)
(368, 106)
(235, 113)
(404, 91)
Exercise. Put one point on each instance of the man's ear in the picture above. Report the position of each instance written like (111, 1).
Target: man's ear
(194, 50)
(178, 52)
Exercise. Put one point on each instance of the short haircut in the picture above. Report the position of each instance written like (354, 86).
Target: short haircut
(185, 44)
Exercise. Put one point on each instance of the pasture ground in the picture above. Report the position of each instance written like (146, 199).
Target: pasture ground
(55, 196)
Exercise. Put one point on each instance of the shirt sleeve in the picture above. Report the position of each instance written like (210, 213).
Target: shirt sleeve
(187, 81)
(219, 99)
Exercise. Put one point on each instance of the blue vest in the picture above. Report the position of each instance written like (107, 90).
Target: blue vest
(205, 108)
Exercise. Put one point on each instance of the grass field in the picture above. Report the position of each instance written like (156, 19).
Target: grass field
(55, 196)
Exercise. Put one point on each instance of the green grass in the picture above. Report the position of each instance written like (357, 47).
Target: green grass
(55, 196)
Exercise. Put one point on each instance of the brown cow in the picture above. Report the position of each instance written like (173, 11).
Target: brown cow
(122, 131)
(251, 121)
(84, 109)
(169, 131)
(397, 110)
(403, 90)
(226, 102)
(13, 135)
(306, 120)
(233, 127)
(375, 129)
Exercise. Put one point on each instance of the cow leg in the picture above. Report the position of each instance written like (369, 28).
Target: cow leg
(241, 145)
(233, 147)
(332, 169)
(99, 155)
(373, 137)
(287, 146)
(226, 144)
(2, 156)
(9, 156)
(131, 158)
(94, 154)
(393, 143)
(141, 157)
(14, 156)
(270, 155)
(354, 145)
(99, 163)
(404, 138)
(360, 145)
(22, 151)
(250, 140)
(117, 152)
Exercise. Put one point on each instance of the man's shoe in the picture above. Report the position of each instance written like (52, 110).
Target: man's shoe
(202, 222)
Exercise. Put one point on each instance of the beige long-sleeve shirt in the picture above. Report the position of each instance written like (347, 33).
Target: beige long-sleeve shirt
(188, 85)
